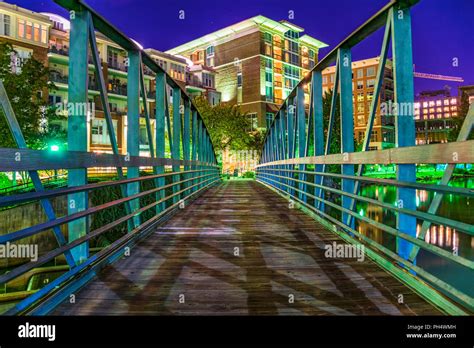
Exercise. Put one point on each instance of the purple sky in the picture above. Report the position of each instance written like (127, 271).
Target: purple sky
(442, 29)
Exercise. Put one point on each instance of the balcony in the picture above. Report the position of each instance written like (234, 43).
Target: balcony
(57, 77)
(117, 66)
(61, 50)
(118, 89)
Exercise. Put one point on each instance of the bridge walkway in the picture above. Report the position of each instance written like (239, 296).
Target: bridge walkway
(240, 250)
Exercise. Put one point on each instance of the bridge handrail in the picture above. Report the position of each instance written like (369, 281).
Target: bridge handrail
(193, 161)
(285, 158)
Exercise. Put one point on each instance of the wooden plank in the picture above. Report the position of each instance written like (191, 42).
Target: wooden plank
(280, 253)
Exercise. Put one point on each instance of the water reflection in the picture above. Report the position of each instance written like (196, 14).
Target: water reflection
(456, 207)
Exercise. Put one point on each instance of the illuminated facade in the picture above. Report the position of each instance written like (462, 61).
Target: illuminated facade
(258, 62)
(27, 31)
(434, 111)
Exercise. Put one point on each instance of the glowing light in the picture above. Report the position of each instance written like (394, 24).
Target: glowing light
(54, 148)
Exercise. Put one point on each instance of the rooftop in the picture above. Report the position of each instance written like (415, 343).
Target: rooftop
(262, 21)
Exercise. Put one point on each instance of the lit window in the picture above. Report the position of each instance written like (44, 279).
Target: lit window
(431, 103)
(36, 32)
(425, 104)
(44, 34)
(438, 103)
(29, 30)
(21, 28)
(453, 101)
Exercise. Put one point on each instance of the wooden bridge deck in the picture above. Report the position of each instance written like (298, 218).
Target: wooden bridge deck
(190, 266)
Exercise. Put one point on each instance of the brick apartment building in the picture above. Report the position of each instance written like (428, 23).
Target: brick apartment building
(258, 62)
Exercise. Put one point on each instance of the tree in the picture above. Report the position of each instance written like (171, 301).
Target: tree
(25, 88)
(228, 127)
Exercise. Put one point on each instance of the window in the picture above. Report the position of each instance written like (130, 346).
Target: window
(269, 119)
(268, 77)
(267, 37)
(360, 84)
(370, 83)
(311, 54)
(36, 32)
(360, 73)
(325, 80)
(210, 56)
(99, 132)
(44, 34)
(268, 64)
(239, 80)
(292, 34)
(5, 24)
(29, 30)
(210, 51)
(371, 71)
(253, 121)
(208, 80)
(21, 28)
(269, 93)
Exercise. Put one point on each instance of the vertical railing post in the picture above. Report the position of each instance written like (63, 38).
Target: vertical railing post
(318, 125)
(347, 125)
(301, 121)
(186, 140)
(175, 151)
(282, 143)
(160, 97)
(291, 141)
(201, 150)
(133, 127)
(77, 134)
(194, 144)
(404, 124)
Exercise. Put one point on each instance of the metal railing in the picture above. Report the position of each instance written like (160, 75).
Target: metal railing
(296, 156)
(144, 199)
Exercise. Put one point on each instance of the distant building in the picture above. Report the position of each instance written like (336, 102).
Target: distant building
(45, 36)
(469, 90)
(174, 66)
(27, 31)
(434, 111)
(258, 62)
(113, 62)
(363, 76)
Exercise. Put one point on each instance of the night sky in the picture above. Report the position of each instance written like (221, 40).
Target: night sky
(442, 29)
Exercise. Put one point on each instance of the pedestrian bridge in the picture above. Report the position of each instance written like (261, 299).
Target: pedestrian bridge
(290, 242)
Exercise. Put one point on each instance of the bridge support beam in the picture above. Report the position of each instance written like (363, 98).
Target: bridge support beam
(318, 125)
(133, 127)
(347, 124)
(160, 98)
(404, 124)
(186, 141)
(194, 145)
(301, 125)
(175, 151)
(77, 127)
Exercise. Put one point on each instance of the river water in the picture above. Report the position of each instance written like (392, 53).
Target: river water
(453, 206)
